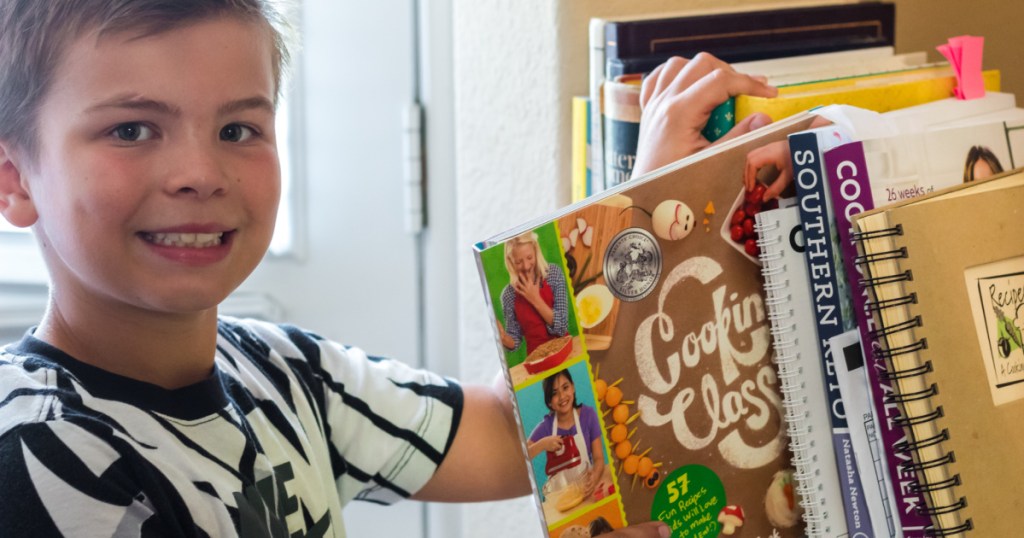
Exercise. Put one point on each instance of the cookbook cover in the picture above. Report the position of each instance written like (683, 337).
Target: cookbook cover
(634, 335)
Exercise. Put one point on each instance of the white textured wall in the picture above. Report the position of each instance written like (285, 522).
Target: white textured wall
(506, 154)
(517, 63)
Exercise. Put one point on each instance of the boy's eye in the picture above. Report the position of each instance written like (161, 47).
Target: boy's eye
(133, 132)
(236, 133)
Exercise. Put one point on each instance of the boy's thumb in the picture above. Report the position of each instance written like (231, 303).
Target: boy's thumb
(751, 122)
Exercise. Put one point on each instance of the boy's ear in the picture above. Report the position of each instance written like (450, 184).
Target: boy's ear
(15, 201)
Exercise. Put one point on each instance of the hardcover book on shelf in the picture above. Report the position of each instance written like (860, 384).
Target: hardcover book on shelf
(743, 35)
(946, 274)
(582, 177)
(845, 32)
(880, 92)
(596, 82)
(621, 120)
(801, 374)
(667, 349)
(621, 98)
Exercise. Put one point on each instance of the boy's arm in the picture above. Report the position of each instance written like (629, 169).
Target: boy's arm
(485, 461)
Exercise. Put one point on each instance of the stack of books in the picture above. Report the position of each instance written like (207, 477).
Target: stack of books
(816, 55)
(845, 360)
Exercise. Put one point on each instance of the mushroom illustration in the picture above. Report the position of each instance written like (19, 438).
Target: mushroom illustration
(730, 517)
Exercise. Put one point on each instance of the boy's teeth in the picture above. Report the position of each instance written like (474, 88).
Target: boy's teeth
(186, 240)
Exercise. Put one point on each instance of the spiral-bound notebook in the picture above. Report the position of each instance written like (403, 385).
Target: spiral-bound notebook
(801, 376)
(947, 278)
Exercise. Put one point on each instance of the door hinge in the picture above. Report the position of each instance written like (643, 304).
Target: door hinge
(412, 176)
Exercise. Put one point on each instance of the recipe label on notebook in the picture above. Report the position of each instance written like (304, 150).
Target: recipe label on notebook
(996, 292)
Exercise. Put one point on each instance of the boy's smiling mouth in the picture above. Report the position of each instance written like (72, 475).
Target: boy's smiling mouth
(184, 240)
(189, 240)
(194, 245)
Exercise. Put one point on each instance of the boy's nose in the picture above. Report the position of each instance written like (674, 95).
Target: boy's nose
(198, 172)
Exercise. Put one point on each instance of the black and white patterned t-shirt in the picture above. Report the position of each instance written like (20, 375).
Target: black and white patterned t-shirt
(286, 431)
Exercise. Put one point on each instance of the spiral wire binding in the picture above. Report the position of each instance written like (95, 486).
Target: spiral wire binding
(922, 369)
(794, 403)
(910, 446)
(905, 276)
(914, 446)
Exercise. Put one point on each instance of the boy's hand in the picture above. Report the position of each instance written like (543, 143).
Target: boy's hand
(775, 154)
(778, 155)
(676, 101)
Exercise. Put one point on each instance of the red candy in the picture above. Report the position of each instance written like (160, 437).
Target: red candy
(758, 192)
(748, 227)
(741, 228)
(737, 217)
(750, 246)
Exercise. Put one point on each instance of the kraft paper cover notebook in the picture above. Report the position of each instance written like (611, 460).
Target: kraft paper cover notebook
(947, 278)
(667, 351)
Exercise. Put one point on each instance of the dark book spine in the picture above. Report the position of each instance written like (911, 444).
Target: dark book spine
(748, 52)
(621, 116)
(827, 289)
(752, 35)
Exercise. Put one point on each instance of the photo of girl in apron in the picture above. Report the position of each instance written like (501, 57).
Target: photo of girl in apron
(570, 434)
(535, 303)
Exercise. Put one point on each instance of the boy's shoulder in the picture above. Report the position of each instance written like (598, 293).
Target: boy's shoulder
(30, 385)
(40, 383)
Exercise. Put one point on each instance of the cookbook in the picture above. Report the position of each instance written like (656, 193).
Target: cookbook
(633, 333)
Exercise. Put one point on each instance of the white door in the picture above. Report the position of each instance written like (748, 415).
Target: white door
(355, 276)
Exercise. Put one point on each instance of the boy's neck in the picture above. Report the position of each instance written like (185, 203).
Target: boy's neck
(171, 351)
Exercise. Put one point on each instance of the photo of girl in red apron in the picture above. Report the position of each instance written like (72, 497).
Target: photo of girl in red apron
(570, 434)
(535, 303)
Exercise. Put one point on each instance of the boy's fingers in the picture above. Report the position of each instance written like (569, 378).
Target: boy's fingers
(696, 69)
(647, 87)
(759, 158)
(669, 72)
(754, 163)
(779, 185)
(716, 88)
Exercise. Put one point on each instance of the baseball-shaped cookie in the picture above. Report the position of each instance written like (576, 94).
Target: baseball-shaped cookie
(672, 220)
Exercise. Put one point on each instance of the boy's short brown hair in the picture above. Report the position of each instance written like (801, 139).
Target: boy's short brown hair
(34, 34)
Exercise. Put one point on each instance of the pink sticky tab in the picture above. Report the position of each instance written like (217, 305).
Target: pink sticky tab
(964, 55)
(951, 55)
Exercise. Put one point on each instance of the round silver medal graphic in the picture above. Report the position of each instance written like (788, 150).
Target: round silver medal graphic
(632, 264)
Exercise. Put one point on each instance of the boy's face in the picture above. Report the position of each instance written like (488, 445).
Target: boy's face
(157, 180)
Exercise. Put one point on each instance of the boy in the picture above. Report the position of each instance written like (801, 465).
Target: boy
(137, 139)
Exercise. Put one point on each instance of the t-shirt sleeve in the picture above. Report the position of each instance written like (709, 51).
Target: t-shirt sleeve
(389, 426)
